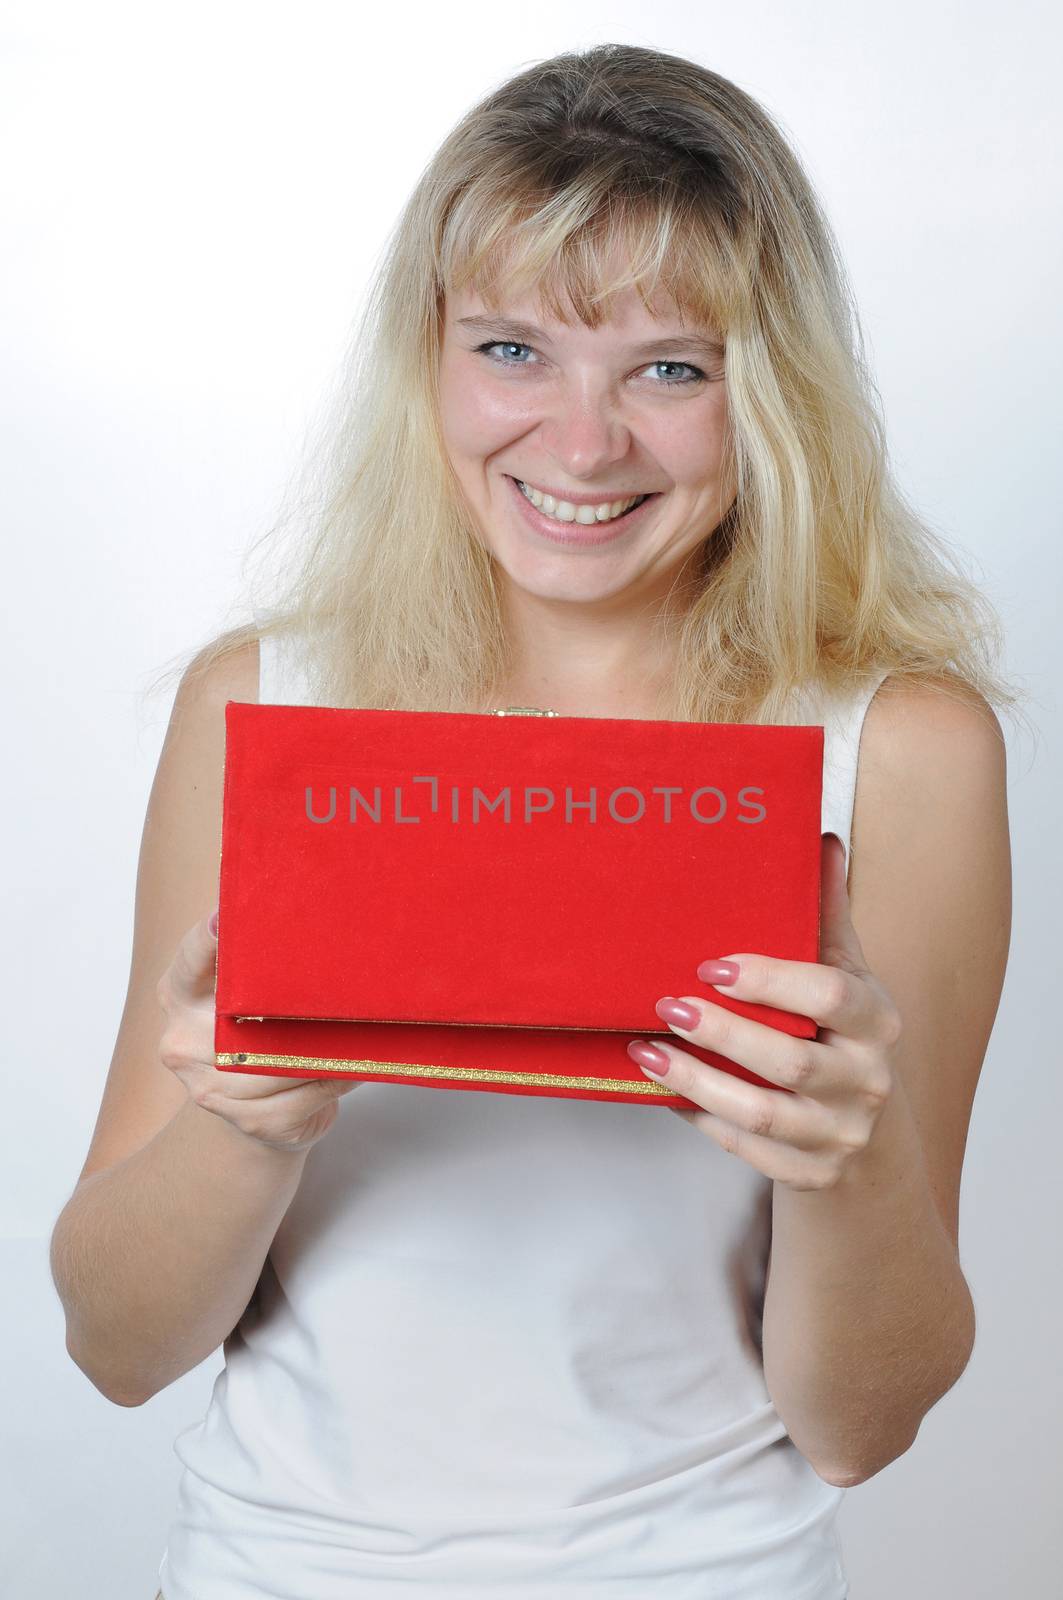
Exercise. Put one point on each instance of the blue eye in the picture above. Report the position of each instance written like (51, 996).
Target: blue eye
(503, 344)
(512, 344)
(698, 374)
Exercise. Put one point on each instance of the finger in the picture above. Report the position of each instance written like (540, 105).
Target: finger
(315, 1090)
(798, 1168)
(830, 995)
(286, 1108)
(258, 1086)
(254, 1085)
(187, 1050)
(760, 1115)
(802, 1065)
(192, 971)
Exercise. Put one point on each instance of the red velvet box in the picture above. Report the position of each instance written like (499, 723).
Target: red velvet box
(497, 902)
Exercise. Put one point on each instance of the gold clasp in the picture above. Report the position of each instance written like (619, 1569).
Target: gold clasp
(523, 711)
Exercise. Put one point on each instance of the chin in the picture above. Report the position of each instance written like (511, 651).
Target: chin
(545, 582)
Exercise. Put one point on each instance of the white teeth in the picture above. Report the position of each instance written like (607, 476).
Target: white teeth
(565, 511)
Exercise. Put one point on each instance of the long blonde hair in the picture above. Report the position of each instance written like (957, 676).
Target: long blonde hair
(821, 574)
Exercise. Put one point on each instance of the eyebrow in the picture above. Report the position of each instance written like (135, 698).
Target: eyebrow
(523, 332)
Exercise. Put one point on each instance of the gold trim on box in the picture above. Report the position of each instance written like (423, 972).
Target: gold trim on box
(399, 1069)
(431, 1022)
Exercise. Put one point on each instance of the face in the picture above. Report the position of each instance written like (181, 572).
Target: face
(635, 407)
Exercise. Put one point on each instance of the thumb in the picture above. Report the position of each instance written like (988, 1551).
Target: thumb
(839, 945)
(192, 971)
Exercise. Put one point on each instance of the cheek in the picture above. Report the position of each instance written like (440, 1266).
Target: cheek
(479, 418)
(697, 457)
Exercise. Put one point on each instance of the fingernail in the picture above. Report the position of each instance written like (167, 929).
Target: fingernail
(213, 923)
(671, 1010)
(718, 971)
(648, 1057)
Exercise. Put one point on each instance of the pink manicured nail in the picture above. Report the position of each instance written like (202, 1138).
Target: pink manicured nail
(213, 923)
(671, 1010)
(718, 971)
(648, 1056)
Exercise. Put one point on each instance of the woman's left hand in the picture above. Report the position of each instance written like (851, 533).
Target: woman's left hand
(842, 1079)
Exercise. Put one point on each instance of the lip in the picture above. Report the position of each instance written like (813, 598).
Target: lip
(578, 533)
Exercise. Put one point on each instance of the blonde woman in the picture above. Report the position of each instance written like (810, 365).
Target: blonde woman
(607, 445)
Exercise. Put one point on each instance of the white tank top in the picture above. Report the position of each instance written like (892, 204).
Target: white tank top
(508, 1344)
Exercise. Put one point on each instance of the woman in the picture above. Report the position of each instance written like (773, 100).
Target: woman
(477, 1341)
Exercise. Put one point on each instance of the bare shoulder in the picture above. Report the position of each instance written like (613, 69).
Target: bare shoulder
(902, 715)
(219, 672)
(176, 886)
(931, 779)
(188, 784)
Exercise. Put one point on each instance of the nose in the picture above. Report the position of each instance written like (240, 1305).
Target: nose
(584, 433)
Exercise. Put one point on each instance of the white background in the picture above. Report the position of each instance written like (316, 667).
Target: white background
(192, 198)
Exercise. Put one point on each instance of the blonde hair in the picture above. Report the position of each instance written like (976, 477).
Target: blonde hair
(820, 574)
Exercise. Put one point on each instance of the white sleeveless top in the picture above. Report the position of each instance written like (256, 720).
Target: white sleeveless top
(508, 1344)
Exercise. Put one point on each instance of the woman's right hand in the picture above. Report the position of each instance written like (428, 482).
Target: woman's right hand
(272, 1110)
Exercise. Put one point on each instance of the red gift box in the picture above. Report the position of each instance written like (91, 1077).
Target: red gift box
(496, 901)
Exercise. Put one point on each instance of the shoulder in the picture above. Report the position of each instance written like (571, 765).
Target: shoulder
(193, 751)
(926, 749)
(931, 849)
(932, 769)
(903, 712)
(227, 668)
(188, 783)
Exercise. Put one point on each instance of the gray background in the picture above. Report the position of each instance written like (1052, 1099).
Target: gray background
(192, 200)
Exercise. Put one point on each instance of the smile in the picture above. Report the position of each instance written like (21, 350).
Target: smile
(560, 522)
(567, 511)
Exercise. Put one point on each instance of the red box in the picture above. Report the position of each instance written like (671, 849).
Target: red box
(429, 897)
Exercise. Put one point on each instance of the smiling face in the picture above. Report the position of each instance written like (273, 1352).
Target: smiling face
(634, 407)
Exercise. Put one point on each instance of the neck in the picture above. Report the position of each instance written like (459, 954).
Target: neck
(583, 661)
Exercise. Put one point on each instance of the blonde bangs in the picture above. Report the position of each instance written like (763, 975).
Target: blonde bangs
(576, 251)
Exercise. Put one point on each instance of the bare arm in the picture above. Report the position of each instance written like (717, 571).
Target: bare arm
(156, 1254)
(155, 1259)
